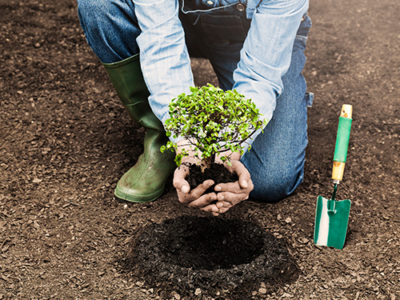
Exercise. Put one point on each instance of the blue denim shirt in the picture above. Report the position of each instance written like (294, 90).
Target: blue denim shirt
(264, 58)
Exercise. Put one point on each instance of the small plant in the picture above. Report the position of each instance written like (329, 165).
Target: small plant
(213, 122)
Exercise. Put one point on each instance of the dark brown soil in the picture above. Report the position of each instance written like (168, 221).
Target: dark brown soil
(216, 172)
(65, 140)
(210, 254)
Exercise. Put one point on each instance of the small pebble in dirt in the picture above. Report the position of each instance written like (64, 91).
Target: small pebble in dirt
(287, 295)
(36, 180)
(139, 283)
(262, 291)
(288, 220)
(125, 206)
(197, 292)
(176, 296)
(303, 240)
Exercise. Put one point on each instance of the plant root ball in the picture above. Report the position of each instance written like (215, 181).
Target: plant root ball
(216, 172)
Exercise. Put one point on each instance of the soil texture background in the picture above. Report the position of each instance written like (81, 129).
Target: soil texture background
(65, 140)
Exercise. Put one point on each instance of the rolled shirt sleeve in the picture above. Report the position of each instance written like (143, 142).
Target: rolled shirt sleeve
(266, 53)
(164, 56)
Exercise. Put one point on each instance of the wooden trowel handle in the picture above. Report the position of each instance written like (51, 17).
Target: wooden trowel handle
(342, 142)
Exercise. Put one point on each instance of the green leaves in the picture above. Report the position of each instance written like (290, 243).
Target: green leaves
(217, 121)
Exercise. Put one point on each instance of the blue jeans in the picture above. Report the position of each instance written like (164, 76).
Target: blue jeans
(276, 159)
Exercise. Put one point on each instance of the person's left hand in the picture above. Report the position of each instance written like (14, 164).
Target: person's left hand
(232, 193)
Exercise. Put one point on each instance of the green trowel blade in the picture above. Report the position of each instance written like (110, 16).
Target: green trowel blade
(331, 220)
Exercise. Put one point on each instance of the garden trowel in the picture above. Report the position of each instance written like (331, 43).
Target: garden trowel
(332, 216)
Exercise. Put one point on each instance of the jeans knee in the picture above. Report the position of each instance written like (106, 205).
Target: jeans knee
(110, 28)
(276, 185)
(90, 12)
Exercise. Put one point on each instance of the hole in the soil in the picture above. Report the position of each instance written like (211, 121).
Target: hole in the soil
(211, 243)
(213, 254)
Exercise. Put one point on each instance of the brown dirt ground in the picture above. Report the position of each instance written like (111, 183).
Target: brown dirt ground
(65, 139)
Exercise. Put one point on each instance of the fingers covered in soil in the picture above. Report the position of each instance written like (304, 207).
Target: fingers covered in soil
(232, 193)
(228, 186)
(201, 193)
(179, 181)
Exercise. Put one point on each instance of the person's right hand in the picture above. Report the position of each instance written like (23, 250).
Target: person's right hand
(196, 197)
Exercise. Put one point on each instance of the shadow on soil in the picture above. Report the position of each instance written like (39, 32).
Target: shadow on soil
(211, 254)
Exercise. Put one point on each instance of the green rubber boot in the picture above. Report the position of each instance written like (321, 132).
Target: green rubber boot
(145, 181)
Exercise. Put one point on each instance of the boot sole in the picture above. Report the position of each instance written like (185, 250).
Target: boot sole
(138, 198)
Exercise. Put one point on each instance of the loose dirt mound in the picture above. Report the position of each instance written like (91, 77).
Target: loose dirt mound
(211, 254)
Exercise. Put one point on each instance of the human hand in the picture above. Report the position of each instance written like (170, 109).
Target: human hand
(232, 193)
(195, 197)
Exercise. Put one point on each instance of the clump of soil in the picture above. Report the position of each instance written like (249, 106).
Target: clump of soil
(216, 172)
(213, 254)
